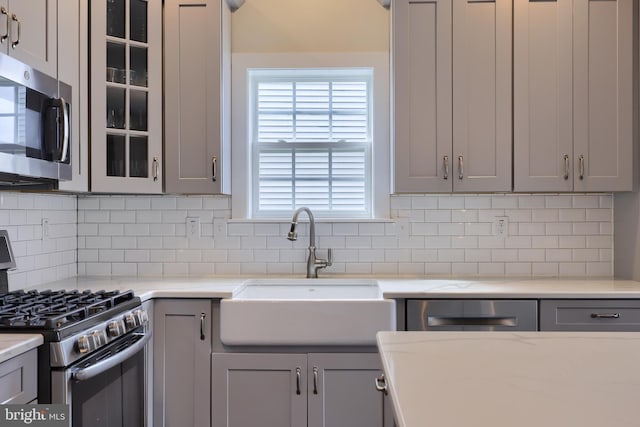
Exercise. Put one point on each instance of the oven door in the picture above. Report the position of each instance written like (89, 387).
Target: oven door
(108, 387)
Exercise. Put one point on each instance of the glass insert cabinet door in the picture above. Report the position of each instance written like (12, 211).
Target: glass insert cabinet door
(126, 96)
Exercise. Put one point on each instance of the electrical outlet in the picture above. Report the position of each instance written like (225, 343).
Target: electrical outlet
(193, 228)
(45, 229)
(501, 226)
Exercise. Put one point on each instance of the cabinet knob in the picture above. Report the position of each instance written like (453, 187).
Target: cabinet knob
(566, 166)
(460, 167)
(581, 163)
(298, 374)
(156, 165)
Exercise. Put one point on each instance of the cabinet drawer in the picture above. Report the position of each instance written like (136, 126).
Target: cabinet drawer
(587, 315)
(18, 383)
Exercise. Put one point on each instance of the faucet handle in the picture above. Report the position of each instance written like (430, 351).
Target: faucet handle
(329, 257)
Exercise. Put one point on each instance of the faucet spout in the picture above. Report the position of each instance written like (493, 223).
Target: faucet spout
(313, 263)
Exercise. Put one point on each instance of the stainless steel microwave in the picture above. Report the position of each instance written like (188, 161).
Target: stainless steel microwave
(35, 127)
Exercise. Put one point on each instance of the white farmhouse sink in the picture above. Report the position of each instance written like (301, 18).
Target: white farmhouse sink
(306, 312)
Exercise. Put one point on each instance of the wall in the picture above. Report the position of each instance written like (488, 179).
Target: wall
(40, 260)
(549, 235)
(310, 26)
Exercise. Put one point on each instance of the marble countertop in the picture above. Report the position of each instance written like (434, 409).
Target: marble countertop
(12, 345)
(506, 379)
(392, 287)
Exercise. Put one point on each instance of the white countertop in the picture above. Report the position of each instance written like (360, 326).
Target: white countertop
(395, 287)
(504, 379)
(12, 345)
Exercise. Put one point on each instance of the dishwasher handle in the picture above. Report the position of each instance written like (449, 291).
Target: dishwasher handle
(435, 321)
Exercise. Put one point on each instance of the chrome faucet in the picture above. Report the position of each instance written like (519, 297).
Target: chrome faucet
(313, 263)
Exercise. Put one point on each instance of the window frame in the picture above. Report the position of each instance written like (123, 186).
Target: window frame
(359, 74)
(381, 109)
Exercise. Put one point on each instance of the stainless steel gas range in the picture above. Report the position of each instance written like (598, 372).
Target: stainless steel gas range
(93, 353)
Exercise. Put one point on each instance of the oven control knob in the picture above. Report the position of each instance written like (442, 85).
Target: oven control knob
(141, 317)
(116, 328)
(84, 344)
(99, 338)
(130, 320)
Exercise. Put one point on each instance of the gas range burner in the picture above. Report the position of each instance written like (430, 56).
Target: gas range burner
(55, 310)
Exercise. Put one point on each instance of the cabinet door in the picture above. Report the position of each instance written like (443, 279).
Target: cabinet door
(33, 26)
(257, 390)
(542, 79)
(197, 96)
(342, 391)
(603, 94)
(181, 352)
(422, 95)
(73, 70)
(482, 95)
(126, 96)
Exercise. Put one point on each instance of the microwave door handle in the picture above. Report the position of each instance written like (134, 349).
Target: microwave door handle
(106, 364)
(65, 130)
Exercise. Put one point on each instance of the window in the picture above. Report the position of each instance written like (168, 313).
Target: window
(311, 139)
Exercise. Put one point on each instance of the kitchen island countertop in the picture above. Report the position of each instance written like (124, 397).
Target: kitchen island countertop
(506, 379)
(12, 345)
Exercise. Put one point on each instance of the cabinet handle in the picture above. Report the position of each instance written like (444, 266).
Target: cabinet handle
(16, 42)
(298, 381)
(214, 162)
(446, 167)
(381, 384)
(202, 317)
(315, 380)
(65, 130)
(155, 168)
(605, 315)
(581, 162)
(460, 167)
(5, 36)
(566, 166)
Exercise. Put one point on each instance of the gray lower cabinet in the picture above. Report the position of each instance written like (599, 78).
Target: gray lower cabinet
(590, 315)
(18, 382)
(297, 390)
(341, 391)
(181, 369)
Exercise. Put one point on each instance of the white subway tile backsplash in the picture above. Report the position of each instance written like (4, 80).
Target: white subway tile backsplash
(599, 215)
(112, 203)
(477, 202)
(558, 201)
(575, 215)
(558, 255)
(450, 202)
(548, 235)
(572, 242)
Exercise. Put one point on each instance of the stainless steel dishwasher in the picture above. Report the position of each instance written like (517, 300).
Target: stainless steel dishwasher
(472, 315)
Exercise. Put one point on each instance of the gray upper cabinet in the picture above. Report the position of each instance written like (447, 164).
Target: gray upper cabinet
(73, 70)
(452, 95)
(30, 34)
(197, 89)
(573, 97)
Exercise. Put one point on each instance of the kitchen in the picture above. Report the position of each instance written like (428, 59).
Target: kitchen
(57, 236)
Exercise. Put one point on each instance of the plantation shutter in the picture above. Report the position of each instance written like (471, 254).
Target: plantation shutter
(311, 144)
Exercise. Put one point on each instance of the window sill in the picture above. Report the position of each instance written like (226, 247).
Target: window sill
(305, 219)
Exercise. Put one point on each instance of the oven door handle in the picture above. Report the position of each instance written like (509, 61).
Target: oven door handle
(106, 364)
